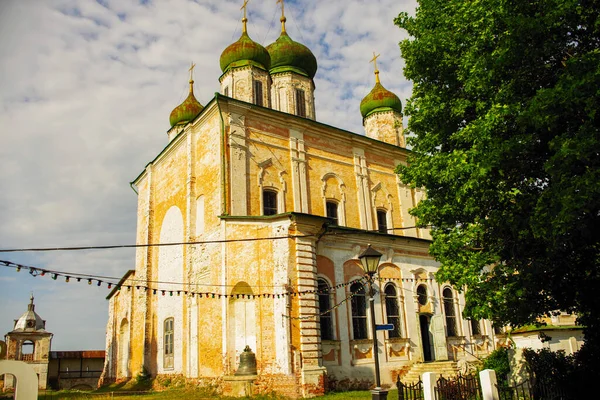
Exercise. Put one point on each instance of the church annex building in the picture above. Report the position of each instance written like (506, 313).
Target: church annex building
(279, 206)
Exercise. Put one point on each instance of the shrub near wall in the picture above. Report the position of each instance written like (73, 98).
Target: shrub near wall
(499, 362)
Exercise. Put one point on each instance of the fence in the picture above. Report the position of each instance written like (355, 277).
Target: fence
(535, 390)
(459, 388)
(410, 391)
(434, 387)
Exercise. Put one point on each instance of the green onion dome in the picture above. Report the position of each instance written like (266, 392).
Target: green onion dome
(379, 99)
(245, 52)
(287, 55)
(187, 110)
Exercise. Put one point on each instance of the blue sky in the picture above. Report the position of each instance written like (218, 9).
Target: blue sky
(86, 89)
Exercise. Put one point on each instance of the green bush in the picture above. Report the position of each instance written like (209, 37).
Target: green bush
(498, 361)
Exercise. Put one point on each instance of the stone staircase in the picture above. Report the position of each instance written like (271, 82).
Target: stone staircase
(445, 368)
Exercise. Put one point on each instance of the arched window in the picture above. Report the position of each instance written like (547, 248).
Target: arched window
(475, 327)
(332, 211)
(449, 311)
(325, 310)
(392, 310)
(382, 221)
(422, 294)
(27, 350)
(269, 202)
(168, 343)
(359, 311)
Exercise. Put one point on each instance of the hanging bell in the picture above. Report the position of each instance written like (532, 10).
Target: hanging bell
(247, 363)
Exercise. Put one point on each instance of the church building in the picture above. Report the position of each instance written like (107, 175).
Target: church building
(250, 223)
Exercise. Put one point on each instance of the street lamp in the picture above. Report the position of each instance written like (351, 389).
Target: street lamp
(370, 262)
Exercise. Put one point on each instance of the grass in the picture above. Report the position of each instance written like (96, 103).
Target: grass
(190, 394)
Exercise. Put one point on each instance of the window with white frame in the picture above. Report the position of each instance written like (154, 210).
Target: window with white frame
(326, 319)
(382, 225)
(332, 211)
(359, 311)
(168, 343)
(475, 327)
(450, 312)
(422, 295)
(269, 202)
(392, 310)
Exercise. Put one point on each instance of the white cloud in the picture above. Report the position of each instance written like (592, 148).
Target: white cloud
(86, 88)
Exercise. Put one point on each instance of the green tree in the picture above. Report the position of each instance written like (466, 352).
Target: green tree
(504, 122)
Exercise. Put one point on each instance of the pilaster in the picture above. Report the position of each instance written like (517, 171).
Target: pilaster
(238, 165)
(299, 179)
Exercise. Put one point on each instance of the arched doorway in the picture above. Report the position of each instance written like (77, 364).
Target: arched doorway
(426, 338)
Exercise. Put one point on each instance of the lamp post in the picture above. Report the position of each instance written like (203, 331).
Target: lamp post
(370, 262)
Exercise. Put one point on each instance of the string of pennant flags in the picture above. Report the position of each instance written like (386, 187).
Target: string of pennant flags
(99, 281)
(406, 280)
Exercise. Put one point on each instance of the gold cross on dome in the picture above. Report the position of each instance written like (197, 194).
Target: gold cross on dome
(192, 70)
(374, 61)
(282, 7)
(244, 7)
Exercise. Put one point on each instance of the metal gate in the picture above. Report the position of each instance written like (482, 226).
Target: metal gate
(458, 388)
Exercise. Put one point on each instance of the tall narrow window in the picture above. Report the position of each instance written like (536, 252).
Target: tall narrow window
(392, 311)
(382, 221)
(258, 93)
(450, 312)
(475, 327)
(168, 344)
(422, 294)
(325, 310)
(269, 202)
(359, 311)
(332, 211)
(226, 91)
(300, 103)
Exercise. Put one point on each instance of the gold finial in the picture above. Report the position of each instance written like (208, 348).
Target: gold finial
(282, 19)
(192, 66)
(244, 20)
(374, 61)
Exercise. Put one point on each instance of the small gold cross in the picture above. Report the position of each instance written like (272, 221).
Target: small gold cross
(374, 60)
(191, 70)
(244, 7)
(282, 7)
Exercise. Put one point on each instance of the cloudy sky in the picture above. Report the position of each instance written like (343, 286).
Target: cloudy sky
(86, 88)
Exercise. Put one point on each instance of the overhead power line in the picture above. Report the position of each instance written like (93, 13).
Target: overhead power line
(216, 241)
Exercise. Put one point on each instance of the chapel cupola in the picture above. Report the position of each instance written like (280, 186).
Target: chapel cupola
(245, 65)
(30, 320)
(382, 113)
(293, 67)
(29, 342)
(189, 109)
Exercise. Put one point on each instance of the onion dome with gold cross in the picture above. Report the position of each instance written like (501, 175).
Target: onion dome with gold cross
(245, 52)
(189, 109)
(288, 55)
(379, 98)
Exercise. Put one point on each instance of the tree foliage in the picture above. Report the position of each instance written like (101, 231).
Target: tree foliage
(504, 122)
